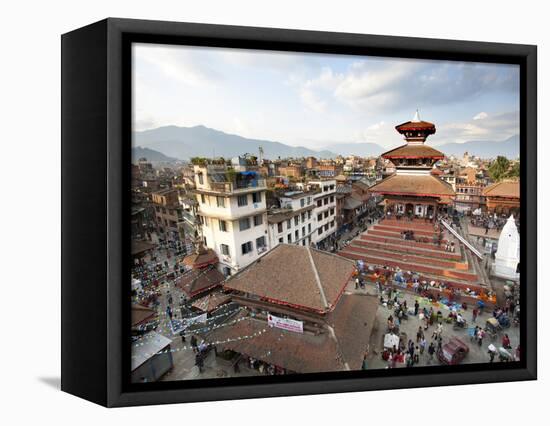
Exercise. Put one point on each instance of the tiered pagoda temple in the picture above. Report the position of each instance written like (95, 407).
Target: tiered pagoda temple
(412, 190)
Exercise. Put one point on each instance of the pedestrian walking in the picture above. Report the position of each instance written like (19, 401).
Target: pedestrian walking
(416, 307)
(475, 313)
(199, 361)
(182, 335)
(194, 343)
(365, 364)
(431, 351)
(422, 345)
(480, 335)
(492, 351)
(419, 334)
(506, 342)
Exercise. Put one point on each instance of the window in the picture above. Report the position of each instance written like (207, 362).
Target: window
(226, 271)
(325, 201)
(325, 188)
(326, 227)
(280, 227)
(296, 220)
(332, 212)
(320, 217)
(257, 197)
(288, 224)
(309, 200)
(332, 198)
(258, 220)
(220, 201)
(223, 225)
(281, 240)
(320, 230)
(331, 187)
(242, 200)
(244, 224)
(309, 228)
(319, 203)
(303, 231)
(309, 214)
(246, 247)
(203, 199)
(260, 243)
(201, 178)
(224, 248)
(289, 238)
(297, 234)
(325, 214)
(302, 202)
(303, 216)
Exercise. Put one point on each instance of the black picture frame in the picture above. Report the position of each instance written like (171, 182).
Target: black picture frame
(96, 137)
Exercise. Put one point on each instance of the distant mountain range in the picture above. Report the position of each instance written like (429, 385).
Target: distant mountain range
(199, 141)
(151, 155)
(484, 149)
(172, 142)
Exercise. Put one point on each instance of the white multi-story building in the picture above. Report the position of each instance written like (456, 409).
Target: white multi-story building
(294, 222)
(232, 214)
(324, 212)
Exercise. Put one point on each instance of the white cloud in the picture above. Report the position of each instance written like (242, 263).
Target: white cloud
(494, 127)
(312, 101)
(375, 85)
(189, 66)
(376, 126)
(481, 116)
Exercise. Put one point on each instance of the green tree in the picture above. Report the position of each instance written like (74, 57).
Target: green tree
(513, 172)
(499, 168)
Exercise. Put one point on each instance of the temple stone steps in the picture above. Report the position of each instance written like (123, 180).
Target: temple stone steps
(399, 247)
(409, 257)
(396, 230)
(407, 224)
(400, 241)
(442, 273)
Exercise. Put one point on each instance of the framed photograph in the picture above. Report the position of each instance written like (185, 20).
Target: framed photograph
(256, 212)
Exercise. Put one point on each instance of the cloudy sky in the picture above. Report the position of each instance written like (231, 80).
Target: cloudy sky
(319, 100)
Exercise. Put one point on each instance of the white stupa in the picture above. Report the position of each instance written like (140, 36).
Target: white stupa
(507, 255)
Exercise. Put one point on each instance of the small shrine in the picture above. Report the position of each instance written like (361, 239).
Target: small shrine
(507, 256)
